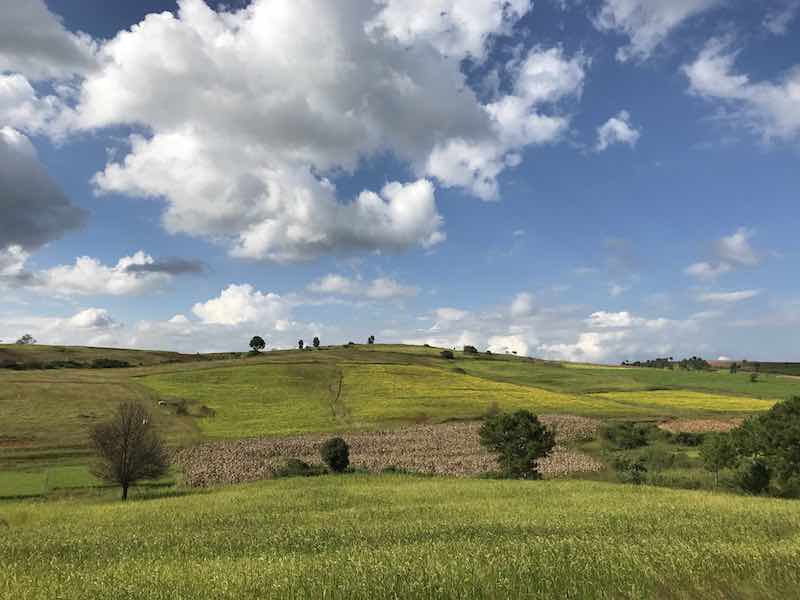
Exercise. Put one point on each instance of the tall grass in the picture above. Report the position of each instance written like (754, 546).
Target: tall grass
(405, 537)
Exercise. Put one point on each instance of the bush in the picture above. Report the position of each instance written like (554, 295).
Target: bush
(447, 354)
(294, 467)
(335, 454)
(657, 458)
(685, 438)
(109, 363)
(718, 452)
(519, 440)
(470, 350)
(181, 408)
(754, 477)
(626, 436)
(631, 471)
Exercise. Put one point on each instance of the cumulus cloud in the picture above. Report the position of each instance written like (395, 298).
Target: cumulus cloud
(457, 28)
(770, 109)
(731, 251)
(242, 303)
(34, 42)
(522, 305)
(34, 209)
(245, 162)
(728, 297)
(22, 108)
(543, 78)
(502, 344)
(617, 130)
(88, 276)
(89, 327)
(381, 288)
(450, 314)
(92, 318)
(647, 23)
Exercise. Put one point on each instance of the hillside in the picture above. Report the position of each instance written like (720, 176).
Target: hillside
(199, 398)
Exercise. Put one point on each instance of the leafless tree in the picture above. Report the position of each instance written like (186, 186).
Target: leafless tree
(128, 447)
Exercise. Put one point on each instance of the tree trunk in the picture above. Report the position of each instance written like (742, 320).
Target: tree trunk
(125, 491)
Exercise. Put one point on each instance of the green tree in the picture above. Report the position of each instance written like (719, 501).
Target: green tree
(257, 343)
(371, 339)
(315, 342)
(519, 440)
(300, 344)
(719, 452)
(128, 448)
(336, 454)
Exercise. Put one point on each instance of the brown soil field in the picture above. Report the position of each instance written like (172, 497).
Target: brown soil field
(700, 425)
(447, 449)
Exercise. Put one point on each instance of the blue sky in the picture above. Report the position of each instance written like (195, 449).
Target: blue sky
(583, 180)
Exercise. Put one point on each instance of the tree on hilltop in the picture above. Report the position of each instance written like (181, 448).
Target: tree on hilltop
(257, 343)
(315, 342)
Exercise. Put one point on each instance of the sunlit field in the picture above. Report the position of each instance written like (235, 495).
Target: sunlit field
(398, 536)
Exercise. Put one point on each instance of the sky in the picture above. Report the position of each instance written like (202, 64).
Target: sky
(586, 180)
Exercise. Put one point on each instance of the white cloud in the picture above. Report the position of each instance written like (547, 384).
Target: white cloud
(12, 262)
(603, 320)
(454, 27)
(239, 304)
(542, 79)
(615, 290)
(522, 305)
(514, 344)
(728, 297)
(706, 271)
(770, 109)
(450, 314)
(736, 248)
(381, 288)
(22, 108)
(777, 21)
(647, 23)
(88, 276)
(617, 130)
(92, 318)
(34, 42)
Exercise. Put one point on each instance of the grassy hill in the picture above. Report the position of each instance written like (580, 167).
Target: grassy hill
(396, 536)
(194, 398)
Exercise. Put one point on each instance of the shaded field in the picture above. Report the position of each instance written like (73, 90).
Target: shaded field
(396, 536)
(447, 449)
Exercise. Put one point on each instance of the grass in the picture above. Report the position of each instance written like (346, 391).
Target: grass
(405, 537)
(46, 413)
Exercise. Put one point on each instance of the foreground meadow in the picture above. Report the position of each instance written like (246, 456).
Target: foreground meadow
(396, 536)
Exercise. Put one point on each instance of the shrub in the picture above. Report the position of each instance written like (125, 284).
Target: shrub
(294, 467)
(519, 440)
(658, 458)
(754, 477)
(335, 454)
(447, 354)
(205, 411)
(631, 471)
(685, 438)
(109, 363)
(181, 408)
(753, 377)
(626, 436)
(470, 350)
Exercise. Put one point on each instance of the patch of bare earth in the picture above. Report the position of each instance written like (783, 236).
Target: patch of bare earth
(700, 425)
(447, 449)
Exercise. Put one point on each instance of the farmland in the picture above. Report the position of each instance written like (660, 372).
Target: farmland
(346, 390)
(361, 536)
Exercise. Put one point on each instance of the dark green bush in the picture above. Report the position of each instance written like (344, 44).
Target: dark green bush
(630, 470)
(470, 350)
(294, 467)
(685, 438)
(627, 435)
(335, 454)
(109, 363)
(519, 440)
(754, 477)
(448, 354)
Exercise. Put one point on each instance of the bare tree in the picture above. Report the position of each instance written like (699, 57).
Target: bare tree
(128, 447)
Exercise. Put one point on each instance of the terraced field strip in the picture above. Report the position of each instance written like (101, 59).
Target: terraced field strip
(446, 449)
(677, 401)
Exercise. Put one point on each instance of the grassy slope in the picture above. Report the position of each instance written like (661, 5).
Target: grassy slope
(46, 414)
(405, 537)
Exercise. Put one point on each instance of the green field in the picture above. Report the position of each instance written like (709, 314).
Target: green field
(404, 537)
(48, 412)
